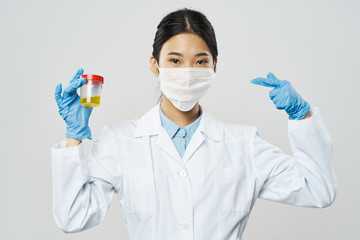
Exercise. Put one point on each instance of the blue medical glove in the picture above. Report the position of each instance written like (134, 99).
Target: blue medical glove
(284, 96)
(76, 116)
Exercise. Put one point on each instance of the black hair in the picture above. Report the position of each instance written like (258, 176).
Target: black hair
(184, 21)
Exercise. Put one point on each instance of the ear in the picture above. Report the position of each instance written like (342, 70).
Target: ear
(215, 62)
(153, 66)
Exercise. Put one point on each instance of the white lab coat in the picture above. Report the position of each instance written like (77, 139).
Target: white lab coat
(206, 195)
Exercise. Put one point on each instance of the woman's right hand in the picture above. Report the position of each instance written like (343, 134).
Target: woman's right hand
(76, 116)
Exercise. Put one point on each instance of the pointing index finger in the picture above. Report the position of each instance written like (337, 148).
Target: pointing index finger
(267, 82)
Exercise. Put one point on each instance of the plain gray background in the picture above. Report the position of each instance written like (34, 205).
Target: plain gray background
(313, 44)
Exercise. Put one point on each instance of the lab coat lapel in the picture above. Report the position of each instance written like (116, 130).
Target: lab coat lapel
(195, 142)
(150, 124)
(208, 127)
(165, 143)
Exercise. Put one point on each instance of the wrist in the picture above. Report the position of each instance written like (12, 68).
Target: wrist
(71, 142)
(307, 115)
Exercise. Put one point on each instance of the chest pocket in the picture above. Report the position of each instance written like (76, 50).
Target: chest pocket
(236, 190)
(140, 192)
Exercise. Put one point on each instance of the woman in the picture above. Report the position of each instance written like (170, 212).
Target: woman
(179, 173)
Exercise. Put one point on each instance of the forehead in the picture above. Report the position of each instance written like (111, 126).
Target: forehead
(185, 43)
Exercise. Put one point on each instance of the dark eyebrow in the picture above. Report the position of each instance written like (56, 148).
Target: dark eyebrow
(179, 54)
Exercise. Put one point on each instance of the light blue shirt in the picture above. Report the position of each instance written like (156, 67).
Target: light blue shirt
(179, 135)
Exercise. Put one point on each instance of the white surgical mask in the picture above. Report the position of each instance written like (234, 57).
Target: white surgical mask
(185, 86)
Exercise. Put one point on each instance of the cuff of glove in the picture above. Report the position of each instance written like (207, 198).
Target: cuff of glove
(78, 133)
(302, 113)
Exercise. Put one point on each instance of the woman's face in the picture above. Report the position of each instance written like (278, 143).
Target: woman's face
(184, 50)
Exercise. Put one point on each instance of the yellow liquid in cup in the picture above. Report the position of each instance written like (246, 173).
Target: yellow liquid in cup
(90, 102)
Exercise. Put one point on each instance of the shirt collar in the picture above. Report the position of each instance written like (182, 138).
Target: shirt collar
(173, 127)
(150, 124)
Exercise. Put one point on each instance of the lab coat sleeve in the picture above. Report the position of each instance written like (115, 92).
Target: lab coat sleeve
(83, 186)
(305, 179)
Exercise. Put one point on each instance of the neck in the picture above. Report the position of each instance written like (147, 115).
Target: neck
(180, 118)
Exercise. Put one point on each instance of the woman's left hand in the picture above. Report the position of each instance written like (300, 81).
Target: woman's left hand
(284, 96)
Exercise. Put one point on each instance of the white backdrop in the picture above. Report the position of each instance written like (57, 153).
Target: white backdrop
(313, 44)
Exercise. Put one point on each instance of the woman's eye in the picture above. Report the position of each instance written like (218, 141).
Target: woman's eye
(203, 62)
(176, 60)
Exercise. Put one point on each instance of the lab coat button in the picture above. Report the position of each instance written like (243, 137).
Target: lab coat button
(184, 225)
(183, 173)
